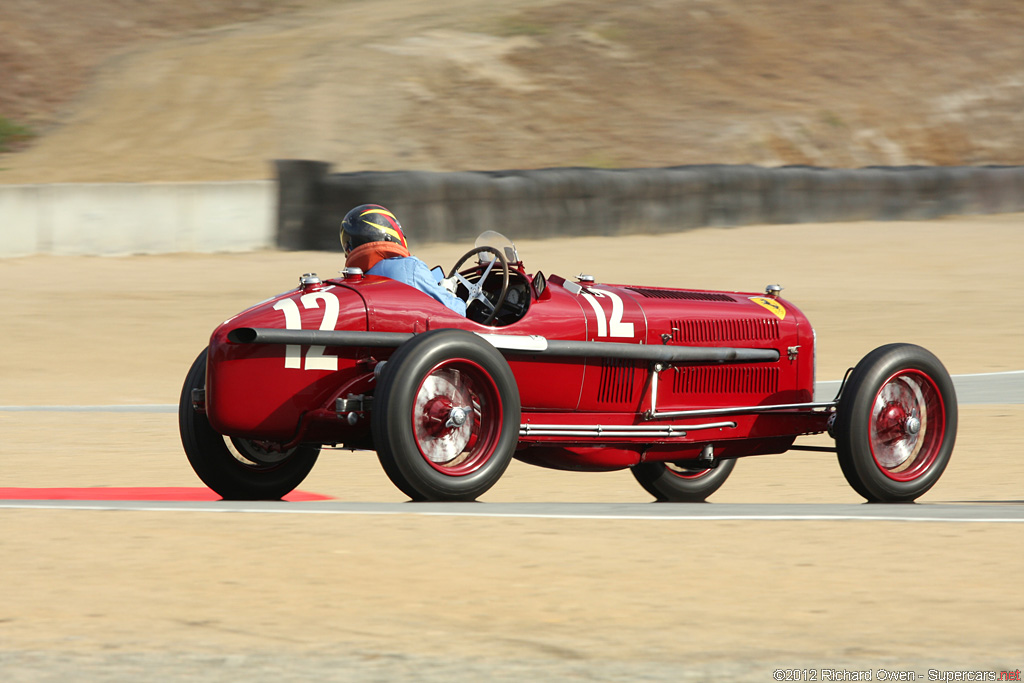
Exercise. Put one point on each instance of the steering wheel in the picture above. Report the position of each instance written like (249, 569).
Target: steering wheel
(476, 290)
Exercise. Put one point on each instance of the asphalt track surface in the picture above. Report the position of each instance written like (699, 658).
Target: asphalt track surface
(992, 388)
(1006, 512)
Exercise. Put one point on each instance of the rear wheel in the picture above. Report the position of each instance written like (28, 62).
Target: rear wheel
(446, 416)
(671, 483)
(896, 423)
(237, 469)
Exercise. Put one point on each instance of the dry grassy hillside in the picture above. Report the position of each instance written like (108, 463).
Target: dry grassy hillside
(123, 90)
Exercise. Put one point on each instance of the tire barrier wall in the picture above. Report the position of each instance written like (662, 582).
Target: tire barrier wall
(585, 201)
(137, 218)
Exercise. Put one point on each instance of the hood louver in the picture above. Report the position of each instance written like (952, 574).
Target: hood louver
(676, 294)
(738, 330)
(723, 379)
(617, 380)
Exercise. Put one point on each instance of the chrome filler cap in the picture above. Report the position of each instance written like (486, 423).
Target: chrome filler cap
(309, 281)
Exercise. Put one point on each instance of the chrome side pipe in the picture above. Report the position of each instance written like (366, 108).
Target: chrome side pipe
(603, 431)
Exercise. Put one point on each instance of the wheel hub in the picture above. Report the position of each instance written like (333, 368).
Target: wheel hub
(260, 452)
(444, 430)
(897, 424)
(912, 425)
(456, 418)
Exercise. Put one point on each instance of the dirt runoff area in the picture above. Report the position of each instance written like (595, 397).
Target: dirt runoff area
(215, 89)
(125, 596)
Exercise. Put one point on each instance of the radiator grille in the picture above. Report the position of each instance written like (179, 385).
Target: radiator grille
(617, 379)
(746, 329)
(676, 294)
(721, 379)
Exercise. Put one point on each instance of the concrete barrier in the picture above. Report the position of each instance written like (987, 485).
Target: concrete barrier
(303, 209)
(137, 218)
(588, 201)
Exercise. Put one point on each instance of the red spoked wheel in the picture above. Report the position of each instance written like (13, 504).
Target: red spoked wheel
(672, 483)
(446, 416)
(906, 425)
(457, 417)
(896, 423)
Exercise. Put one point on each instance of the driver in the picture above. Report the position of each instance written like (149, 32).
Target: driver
(374, 242)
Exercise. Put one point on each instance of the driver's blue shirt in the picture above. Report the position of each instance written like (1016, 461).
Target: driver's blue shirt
(416, 273)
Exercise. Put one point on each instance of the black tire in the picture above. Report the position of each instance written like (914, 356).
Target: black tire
(896, 424)
(243, 470)
(420, 391)
(670, 483)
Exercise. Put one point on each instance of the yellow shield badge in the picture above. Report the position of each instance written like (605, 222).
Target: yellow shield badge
(771, 304)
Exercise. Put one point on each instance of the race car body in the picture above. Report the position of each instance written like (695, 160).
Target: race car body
(565, 373)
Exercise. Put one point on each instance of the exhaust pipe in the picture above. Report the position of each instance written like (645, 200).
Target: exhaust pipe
(538, 346)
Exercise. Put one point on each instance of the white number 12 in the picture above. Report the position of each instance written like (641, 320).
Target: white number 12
(315, 358)
(613, 327)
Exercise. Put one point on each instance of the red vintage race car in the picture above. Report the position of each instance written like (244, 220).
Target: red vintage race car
(674, 384)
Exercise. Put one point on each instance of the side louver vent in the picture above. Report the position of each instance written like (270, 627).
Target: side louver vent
(676, 294)
(731, 379)
(617, 377)
(746, 329)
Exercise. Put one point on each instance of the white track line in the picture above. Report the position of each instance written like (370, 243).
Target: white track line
(284, 509)
(990, 374)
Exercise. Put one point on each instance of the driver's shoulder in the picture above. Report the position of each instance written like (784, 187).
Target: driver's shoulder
(399, 264)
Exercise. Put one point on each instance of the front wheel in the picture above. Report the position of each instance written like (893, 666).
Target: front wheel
(671, 483)
(237, 469)
(446, 416)
(896, 424)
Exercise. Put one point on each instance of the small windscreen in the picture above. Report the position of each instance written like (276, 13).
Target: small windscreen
(496, 240)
